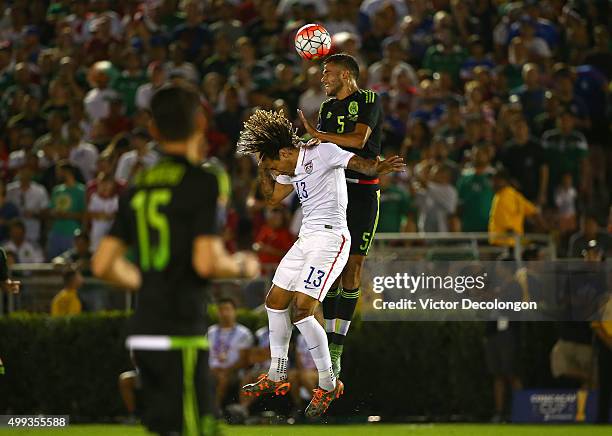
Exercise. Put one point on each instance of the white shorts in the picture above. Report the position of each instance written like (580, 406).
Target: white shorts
(313, 263)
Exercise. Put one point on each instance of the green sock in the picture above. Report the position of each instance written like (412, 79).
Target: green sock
(335, 351)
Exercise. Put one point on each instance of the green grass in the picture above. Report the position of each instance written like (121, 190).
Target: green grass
(344, 430)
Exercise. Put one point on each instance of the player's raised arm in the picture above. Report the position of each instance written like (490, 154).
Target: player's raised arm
(355, 139)
(372, 167)
(272, 191)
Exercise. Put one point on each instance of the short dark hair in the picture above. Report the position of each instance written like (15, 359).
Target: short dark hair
(226, 300)
(346, 61)
(174, 108)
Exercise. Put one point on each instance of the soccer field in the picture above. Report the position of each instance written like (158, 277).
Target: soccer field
(344, 430)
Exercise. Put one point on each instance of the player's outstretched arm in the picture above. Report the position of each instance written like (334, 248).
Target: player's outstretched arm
(109, 263)
(371, 167)
(211, 260)
(272, 191)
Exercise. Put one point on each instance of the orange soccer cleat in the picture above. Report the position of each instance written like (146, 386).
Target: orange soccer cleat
(264, 385)
(321, 399)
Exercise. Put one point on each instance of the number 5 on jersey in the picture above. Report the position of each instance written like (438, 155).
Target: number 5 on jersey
(146, 204)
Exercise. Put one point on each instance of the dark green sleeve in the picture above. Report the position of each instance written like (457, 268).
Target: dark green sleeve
(3, 265)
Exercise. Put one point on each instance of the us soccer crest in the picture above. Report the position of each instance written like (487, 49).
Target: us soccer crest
(308, 167)
(353, 108)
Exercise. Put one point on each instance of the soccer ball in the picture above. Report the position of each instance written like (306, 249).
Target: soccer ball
(312, 41)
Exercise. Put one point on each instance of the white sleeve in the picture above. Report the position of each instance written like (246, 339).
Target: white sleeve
(283, 179)
(334, 156)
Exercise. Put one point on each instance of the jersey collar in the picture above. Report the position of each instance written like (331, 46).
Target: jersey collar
(299, 167)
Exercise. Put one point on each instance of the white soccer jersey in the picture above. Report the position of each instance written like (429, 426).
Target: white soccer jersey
(321, 186)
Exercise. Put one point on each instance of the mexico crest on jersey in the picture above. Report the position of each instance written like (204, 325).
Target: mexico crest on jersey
(308, 167)
(353, 108)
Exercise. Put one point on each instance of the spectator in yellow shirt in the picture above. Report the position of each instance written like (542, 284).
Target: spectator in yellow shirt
(67, 302)
(508, 211)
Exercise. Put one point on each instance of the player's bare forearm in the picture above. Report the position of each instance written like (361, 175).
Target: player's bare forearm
(273, 192)
(110, 264)
(266, 182)
(373, 168)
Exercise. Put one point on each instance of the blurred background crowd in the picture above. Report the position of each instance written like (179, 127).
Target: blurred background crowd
(467, 86)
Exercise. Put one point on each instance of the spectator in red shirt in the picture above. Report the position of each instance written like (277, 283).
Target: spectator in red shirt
(273, 240)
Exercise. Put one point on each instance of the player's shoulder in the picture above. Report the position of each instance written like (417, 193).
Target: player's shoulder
(213, 329)
(324, 149)
(366, 96)
(329, 101)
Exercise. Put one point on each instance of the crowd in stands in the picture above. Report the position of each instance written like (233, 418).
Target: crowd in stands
(467, 87)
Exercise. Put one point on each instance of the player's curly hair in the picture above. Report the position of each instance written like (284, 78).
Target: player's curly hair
(266, 132)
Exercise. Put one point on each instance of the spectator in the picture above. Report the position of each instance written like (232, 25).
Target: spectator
(131, 78)
(31, 200)
(178, 65)
(67, 301)
(141, 156)
(8, 211)
(397, 213)
(446, 56)
(565, 201)
(566, 151)
(82, 154)
(96, 101)
(600, 56)
(508, 211)
(525, 160)
(477, 58)
(79, 256)
(229, 351)
(103, 205)
(273, 239)
(67, 209)
(589, 231)
(436, 200)
(475, 191)
(393, 59)
(116, 122)
(531, 93)
(451, 128)
(157, 77)
(26, 251)
(311, 99)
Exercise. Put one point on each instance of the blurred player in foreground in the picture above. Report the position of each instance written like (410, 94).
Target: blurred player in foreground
(169, 218)
(7, 285)
(316, 259)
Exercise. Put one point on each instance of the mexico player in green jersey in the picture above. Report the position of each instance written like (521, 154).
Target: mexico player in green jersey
(169, 218)
(352, 118)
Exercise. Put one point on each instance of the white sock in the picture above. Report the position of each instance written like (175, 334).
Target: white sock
(330, 325)
(280, 328)
(316, 339)
(343, 327)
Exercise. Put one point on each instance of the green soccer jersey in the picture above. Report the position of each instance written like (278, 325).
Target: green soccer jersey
(395, 204)
(67, 199)
(475, 196)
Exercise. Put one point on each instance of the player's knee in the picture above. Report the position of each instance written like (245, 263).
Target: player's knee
(273, 302)
(304, 307)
